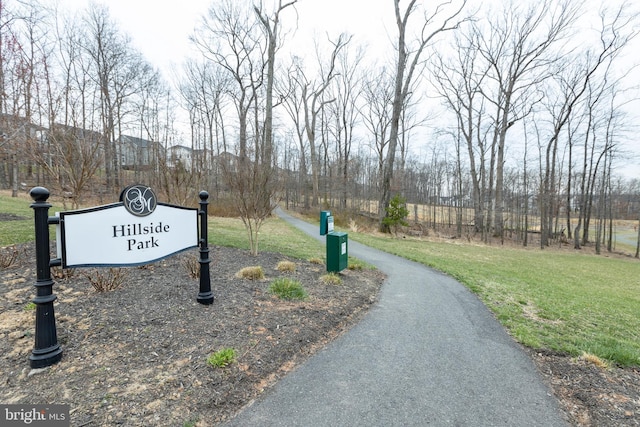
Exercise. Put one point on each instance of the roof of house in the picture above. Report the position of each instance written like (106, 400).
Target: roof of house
(128, 139)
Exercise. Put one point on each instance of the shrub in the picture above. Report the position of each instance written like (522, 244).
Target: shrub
(191, 423)
(318, 261)
(107, 280)
(62, 273)
(397, 213)
(222, 358)
(594, 360)
(289, 289)
(252, 273)
(289, 266)
(331, 279)
(355, 264)
(8, 256)
(192, 265)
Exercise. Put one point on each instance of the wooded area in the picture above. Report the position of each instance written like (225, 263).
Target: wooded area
(507, 120)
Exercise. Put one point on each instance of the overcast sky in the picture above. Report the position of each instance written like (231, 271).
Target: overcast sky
(160, 30)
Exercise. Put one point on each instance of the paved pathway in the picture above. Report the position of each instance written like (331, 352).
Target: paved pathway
(427, 354)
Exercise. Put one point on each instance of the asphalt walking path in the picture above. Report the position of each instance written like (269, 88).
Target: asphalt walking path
(428, 353)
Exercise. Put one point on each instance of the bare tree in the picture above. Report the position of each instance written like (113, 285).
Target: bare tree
(377, 100)
(519, 52)
(203, 91)
(409, 59)
(270, 28)
(346, 91)
(25, 61)
(244, 44)
(614, 36)
(230, 38)
(104, 46)
(459, 82)
(76, 155)
(291, 94)
(313, 92)
(12, 129)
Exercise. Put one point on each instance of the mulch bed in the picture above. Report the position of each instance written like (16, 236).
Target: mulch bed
(136, 356)
(591, 396)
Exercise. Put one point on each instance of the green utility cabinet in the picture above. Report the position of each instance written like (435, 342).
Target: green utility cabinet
(337, 252)
(325, 217)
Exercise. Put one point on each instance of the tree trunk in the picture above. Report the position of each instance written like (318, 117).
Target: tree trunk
(638, 240)
(14, 176)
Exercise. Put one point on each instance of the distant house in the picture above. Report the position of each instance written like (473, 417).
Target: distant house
(228, 161)
(15, 131)
(137, 153)
(180, 154)
(63, 135)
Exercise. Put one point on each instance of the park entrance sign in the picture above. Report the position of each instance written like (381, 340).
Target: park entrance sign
(138, 230)
(119, 238)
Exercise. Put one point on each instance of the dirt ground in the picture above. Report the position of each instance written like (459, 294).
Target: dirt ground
(590, 395)
(136, 356)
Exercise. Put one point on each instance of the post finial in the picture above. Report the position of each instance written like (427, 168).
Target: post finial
(39, 194)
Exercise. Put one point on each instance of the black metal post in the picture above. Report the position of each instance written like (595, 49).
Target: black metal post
(46, 350)
(205, 296)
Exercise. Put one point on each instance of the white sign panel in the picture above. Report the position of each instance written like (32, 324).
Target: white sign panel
(111, 236)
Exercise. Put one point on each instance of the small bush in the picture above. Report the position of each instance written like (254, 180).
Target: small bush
(191, 423)
(289, 266)
(107, 280)
(595, 360)
(319, 261)
(8, 256)
(355, 264)
(252, 273)
(289, 289)
(192, 265)
(331, 279)
(30, 306)
(396, 213)
(222, 358)
(62, 273)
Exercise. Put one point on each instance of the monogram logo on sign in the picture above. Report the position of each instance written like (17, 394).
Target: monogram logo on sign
(139, 200)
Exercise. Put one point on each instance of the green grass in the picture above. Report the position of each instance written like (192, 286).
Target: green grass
(331, 279)
(253, 272)
(222, 358)
(21, 230)
(564, 301)
(16, 231)
(275, 235)
(288, 289)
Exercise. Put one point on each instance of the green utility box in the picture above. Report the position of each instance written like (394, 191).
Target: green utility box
(324, 222)
(337, 252)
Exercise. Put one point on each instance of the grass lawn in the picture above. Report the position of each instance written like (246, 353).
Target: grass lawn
(275, 236)
(20, 230)
(565, 301)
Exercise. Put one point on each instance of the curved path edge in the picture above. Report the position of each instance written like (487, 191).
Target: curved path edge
(428, 353)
